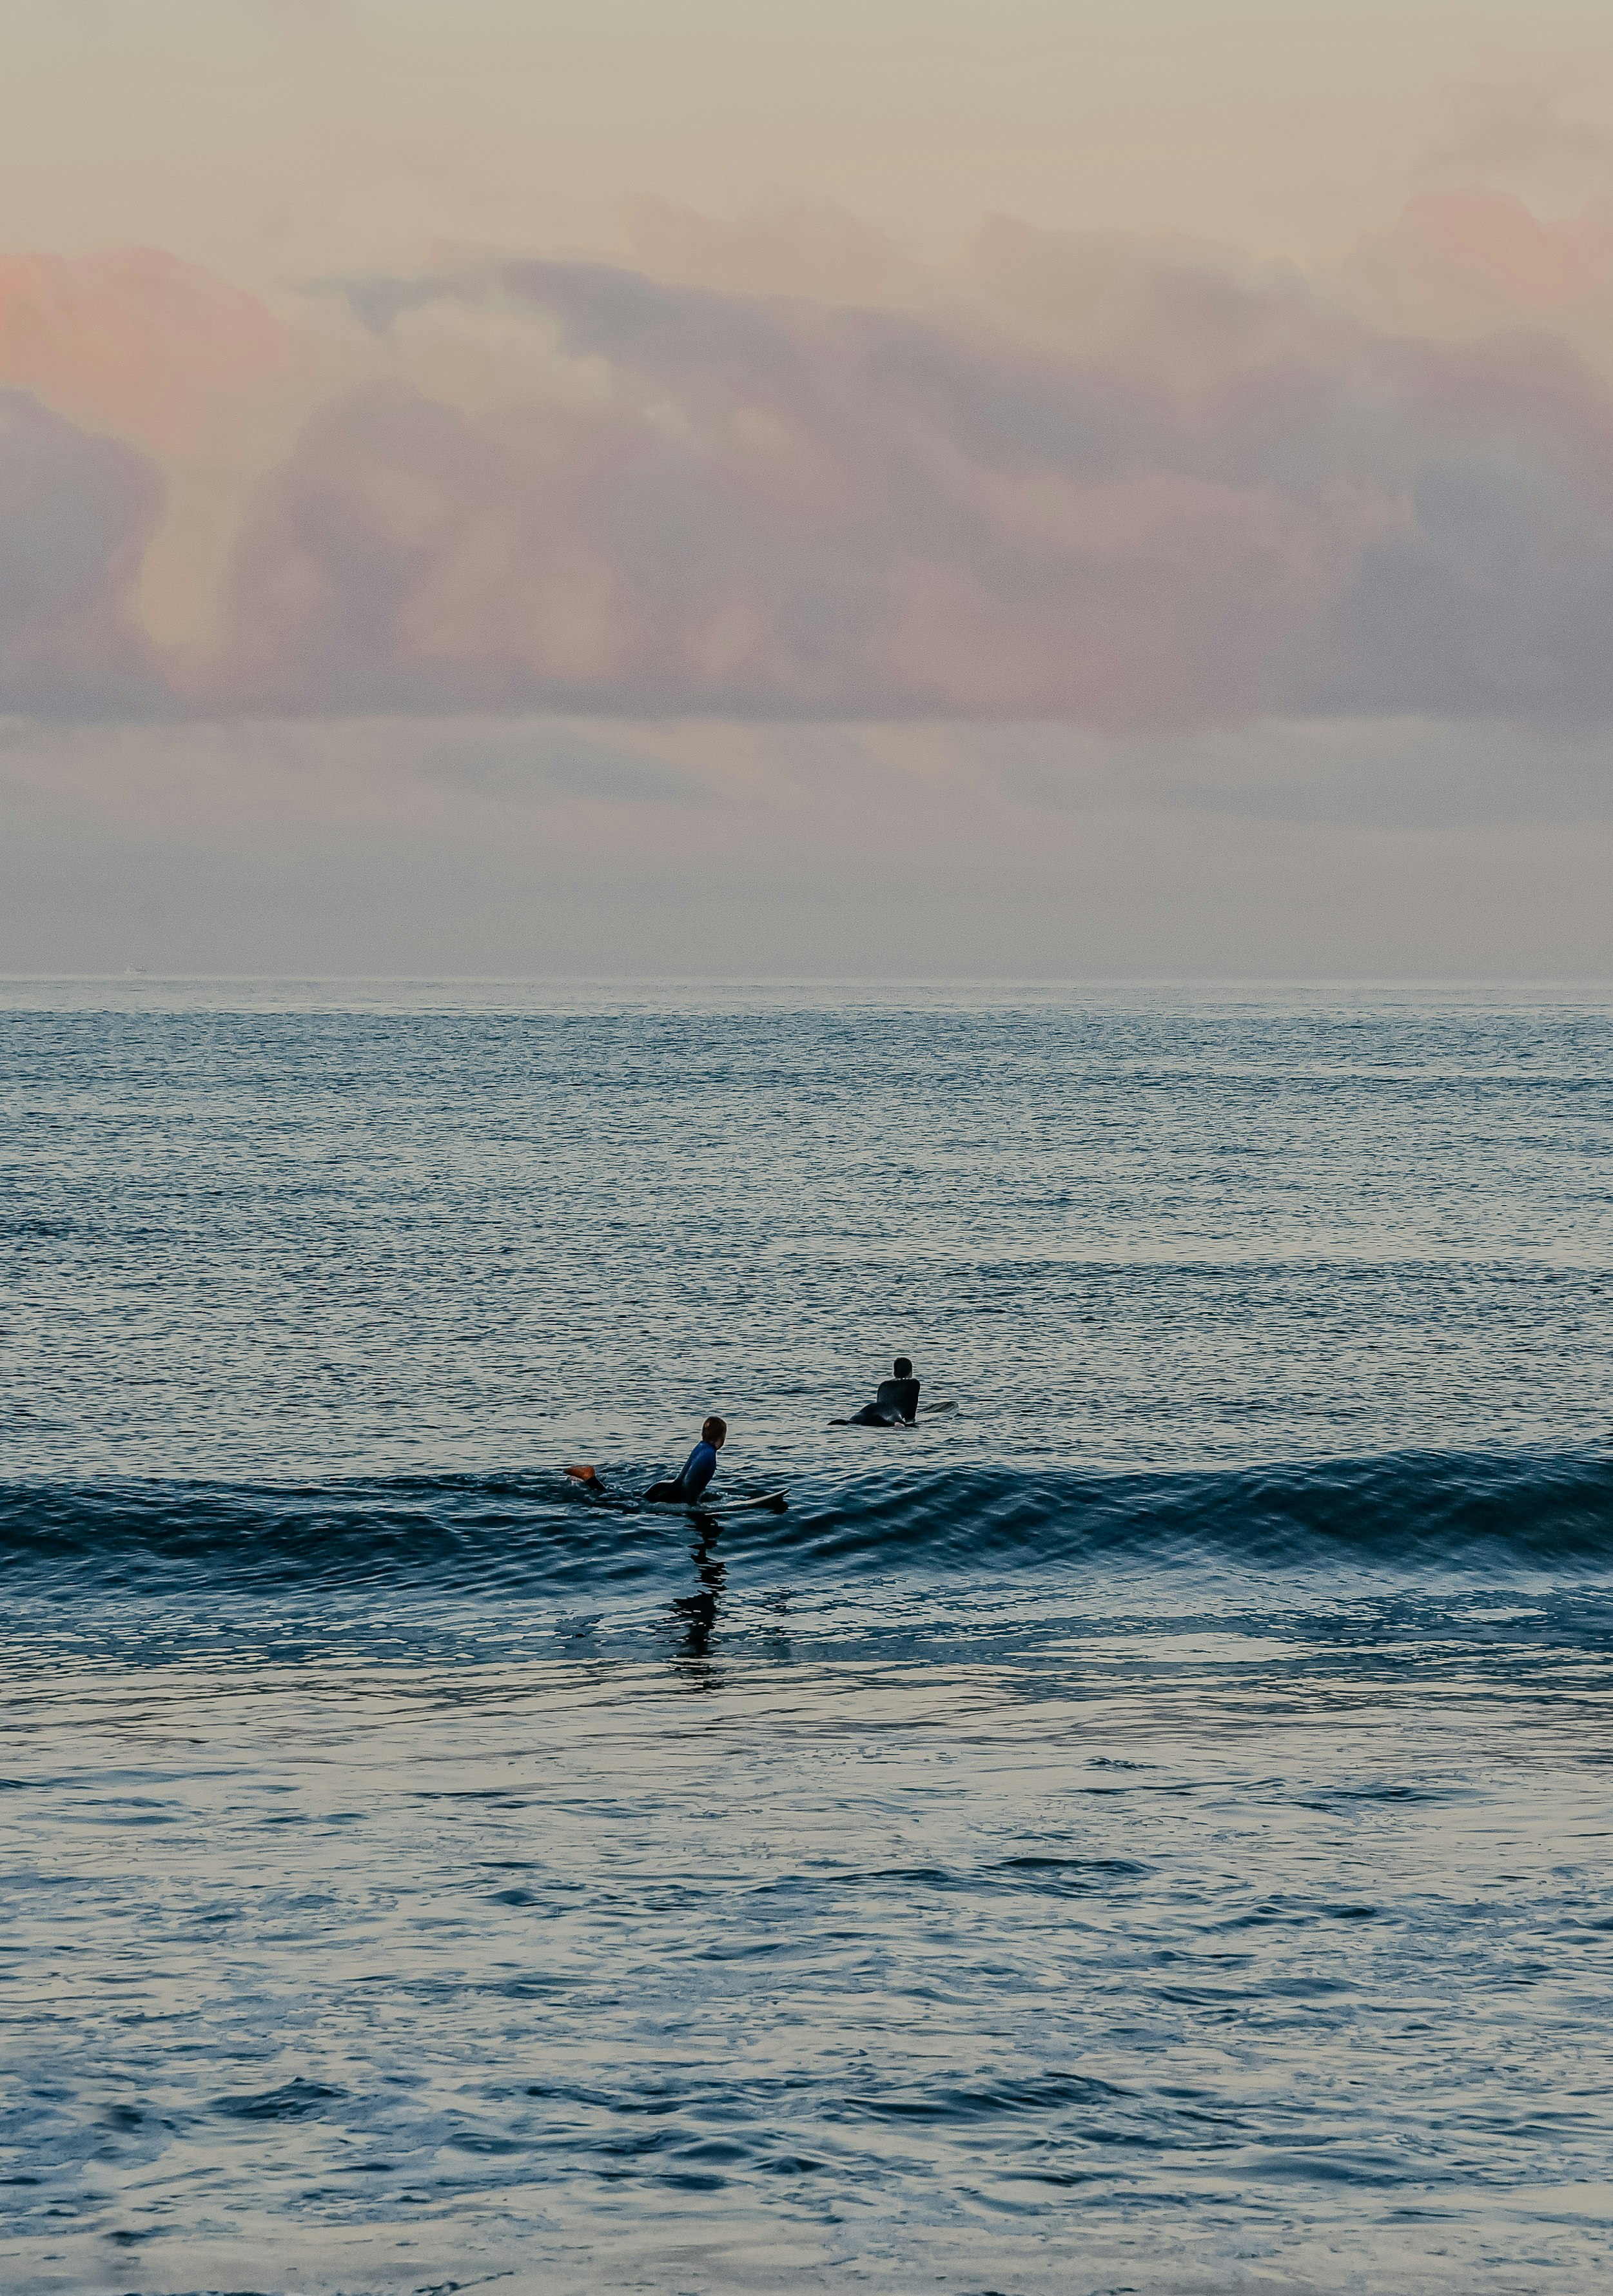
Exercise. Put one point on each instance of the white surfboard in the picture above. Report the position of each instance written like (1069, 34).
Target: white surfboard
(769, 1502)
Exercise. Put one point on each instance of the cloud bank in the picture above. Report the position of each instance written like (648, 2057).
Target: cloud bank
(790, 475)
(76, 514)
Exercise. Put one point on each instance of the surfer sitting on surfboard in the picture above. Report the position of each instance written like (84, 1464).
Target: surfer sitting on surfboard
(691, 1478)
(895, 1401)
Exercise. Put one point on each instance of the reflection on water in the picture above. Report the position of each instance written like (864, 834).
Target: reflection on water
(697, 1613)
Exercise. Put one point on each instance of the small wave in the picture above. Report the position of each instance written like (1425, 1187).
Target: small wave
(1416, 1512)
(295, 2100)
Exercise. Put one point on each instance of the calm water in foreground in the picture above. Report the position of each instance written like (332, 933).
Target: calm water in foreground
(1150, 1830)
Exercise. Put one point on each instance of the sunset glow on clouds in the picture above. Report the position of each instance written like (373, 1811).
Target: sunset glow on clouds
(792, 465)
(544, 484)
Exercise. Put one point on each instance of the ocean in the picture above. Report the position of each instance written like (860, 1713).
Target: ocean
(1147, 1829)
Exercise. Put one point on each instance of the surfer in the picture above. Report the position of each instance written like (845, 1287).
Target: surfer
(691, 1479)
(895, 1401)
(697, 1469)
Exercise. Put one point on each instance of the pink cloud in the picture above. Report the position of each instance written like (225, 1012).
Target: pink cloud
(136, 342)
(1245, 503)
(1080, 479)
(409, 553)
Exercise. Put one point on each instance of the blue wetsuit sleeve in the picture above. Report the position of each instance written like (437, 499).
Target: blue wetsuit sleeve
(698, 1468)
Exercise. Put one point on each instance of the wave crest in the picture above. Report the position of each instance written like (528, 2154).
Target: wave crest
(1414, 1512)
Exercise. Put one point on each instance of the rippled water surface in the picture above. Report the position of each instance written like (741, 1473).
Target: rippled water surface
(1148, 1829)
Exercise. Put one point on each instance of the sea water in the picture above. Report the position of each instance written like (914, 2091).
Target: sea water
(1147, 1829)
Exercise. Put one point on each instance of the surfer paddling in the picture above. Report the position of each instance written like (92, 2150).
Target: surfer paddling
(697, 1469)
(687, 1485)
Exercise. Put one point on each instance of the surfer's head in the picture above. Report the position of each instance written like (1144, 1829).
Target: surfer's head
(715, 1433)
(904, 1368)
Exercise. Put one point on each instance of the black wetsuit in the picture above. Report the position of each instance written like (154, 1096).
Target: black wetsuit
(896, 1400)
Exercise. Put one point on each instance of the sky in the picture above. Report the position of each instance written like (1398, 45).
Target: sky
(1027, 491)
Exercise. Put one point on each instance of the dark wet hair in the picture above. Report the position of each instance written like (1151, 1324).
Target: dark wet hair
(720, 1425)
(903, 1369)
